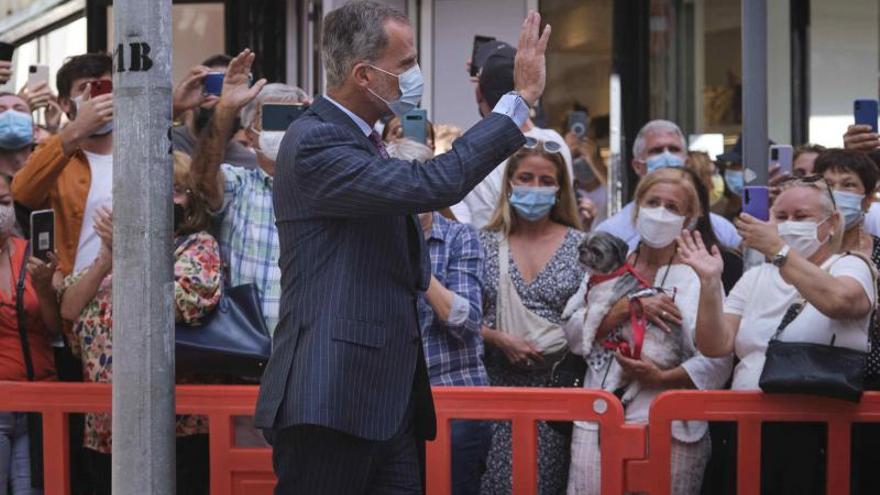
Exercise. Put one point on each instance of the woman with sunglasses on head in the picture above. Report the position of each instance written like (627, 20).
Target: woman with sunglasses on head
(801, 239)
(852, 177)
(666, 201)
(531, 270)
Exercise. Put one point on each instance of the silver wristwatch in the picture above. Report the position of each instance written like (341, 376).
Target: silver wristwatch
(781, 256)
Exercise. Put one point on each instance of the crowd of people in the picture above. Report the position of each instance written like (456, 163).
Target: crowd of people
(511, 276)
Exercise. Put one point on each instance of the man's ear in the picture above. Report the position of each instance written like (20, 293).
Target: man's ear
(640, 167)
(361, 74)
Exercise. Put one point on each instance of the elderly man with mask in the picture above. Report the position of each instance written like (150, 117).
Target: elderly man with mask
(16, 133)
(660, 143)
(242, 198)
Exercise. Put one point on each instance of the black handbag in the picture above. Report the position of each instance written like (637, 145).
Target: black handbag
(810, 368)
(232, 341)
(568, 372)
(34, 420)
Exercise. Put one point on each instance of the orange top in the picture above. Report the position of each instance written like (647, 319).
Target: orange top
(51, 179)
(11, 358)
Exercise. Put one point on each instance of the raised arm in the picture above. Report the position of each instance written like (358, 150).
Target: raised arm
(211, 148)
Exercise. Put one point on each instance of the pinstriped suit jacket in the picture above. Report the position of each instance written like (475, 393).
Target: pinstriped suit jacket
(353, 261)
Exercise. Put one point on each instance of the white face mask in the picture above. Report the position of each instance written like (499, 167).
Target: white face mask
(270, 143)
(7, 220)
(658, 227)
(802, 237)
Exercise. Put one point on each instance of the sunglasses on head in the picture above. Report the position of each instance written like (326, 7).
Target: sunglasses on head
(548, 146)
(816, 181)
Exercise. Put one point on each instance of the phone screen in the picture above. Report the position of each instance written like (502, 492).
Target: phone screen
(278, 117)
(42, 233)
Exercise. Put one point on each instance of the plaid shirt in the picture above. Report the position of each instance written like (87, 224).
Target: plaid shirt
(454, 352)
(248, 235)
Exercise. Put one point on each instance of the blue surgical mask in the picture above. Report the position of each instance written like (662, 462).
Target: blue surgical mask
(16, 129)
(734, 180)
(410, 84)
(663, 160)
(850, 206)
(533, 203)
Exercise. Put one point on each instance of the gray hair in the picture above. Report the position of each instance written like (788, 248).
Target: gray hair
(653, 126)
(274, 93)
(354, 33)
(407, 149)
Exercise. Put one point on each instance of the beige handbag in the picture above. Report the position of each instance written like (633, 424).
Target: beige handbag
(514, 318)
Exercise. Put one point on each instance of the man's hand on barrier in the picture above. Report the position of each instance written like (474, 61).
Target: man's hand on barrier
(530, 64)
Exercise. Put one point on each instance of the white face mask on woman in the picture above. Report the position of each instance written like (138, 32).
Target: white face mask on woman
(803, 237)
(658, 227)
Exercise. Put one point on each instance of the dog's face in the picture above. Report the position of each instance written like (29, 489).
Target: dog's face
(601, 252)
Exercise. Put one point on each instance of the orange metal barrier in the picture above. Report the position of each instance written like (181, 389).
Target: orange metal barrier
(626, 465)
(749, 410)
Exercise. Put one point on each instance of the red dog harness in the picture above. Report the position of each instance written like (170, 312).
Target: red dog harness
(637, 318)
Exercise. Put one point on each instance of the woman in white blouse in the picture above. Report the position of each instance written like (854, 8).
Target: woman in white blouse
(666, 201)
(801, 239)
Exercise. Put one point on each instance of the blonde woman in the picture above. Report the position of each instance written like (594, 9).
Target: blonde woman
(666, 202)
(531, 270)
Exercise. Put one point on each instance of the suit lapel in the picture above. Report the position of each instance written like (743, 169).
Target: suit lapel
(331, 113)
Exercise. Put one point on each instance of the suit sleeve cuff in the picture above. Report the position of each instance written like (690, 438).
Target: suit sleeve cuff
(514, 107)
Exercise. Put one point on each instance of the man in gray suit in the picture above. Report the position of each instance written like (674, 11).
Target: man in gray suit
(345, 399)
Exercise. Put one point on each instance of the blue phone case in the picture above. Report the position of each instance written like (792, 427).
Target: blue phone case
(865, 113)
(415, 126)
(756, 202)
(214, 83)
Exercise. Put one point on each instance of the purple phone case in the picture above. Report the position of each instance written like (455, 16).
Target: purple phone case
(756, 202)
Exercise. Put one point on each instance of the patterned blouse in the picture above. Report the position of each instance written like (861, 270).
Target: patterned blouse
(197, 290)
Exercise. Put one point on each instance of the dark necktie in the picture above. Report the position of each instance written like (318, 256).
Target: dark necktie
(380, 146)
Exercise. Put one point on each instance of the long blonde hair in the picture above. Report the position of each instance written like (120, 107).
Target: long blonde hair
(565, 210)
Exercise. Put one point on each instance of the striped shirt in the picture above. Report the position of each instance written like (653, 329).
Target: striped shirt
(248, 235)
(454, 348)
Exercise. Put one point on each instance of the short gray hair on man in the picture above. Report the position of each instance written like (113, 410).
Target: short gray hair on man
(409, 150)
(273, 93)
(354, 33)
(658, 125)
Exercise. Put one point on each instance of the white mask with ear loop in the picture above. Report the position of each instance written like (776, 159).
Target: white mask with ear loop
(802, 237)
(269, 143)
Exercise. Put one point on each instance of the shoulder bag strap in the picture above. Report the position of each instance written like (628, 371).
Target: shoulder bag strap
(19, 312)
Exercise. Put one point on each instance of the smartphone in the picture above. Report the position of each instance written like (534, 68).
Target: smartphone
(42, 234)
(214, 83)
(279, 116)
(415, 125)
(865, 113)
(756, 202)
(6, 50)
(479, 41)
(101, 87)
(37, 74)
(783, 155)
(578, 123)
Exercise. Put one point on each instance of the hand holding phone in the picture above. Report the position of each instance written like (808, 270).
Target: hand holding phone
(6, 51)
(756, 202)
(214, 83)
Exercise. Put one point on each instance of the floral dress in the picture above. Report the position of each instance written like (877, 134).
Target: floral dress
(197, 290)
(545, 296)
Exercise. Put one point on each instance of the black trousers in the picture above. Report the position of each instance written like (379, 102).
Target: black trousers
(793, 458)
(314, 460)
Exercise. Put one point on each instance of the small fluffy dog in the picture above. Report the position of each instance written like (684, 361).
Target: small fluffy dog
(602, 254)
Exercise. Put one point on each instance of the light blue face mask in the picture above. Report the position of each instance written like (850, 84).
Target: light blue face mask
(533, 203)
(735, 181)
(16, 129)
(665, 159)
(410, 84)
(850, 206)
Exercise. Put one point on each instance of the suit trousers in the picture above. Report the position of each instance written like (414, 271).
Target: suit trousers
(315, 460)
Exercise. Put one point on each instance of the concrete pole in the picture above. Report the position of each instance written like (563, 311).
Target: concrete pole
(754, 91)
(143, 326)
